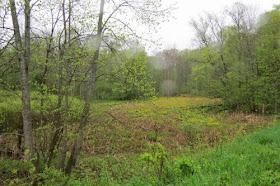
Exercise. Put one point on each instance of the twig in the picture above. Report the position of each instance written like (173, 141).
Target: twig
(11, 134)
(113, 117)
(3, 181)
(10, 90)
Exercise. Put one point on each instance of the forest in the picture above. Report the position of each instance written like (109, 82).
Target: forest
(84, 102)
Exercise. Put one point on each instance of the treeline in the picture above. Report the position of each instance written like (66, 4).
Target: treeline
(238, 58)
(141, 76)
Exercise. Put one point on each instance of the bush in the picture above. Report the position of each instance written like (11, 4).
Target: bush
(187, 166)
(54, 177)
(10, 112)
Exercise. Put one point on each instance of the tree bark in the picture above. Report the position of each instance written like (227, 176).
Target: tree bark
(57, 118)
(23, 54)
(88, 97)
(68, 83)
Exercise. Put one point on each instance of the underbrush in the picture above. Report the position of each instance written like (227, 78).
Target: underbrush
(43, 107)
(181, 124)
(251, 160)
(166, 141)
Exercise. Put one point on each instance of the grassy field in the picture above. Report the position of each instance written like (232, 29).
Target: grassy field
(167, 141)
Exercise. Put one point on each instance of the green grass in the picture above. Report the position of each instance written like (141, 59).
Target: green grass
(249, 160)
(252, 160)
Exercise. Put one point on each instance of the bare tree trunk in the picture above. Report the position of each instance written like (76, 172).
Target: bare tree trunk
(88, 97)
(20, 132)
(23, 54)
(64, 137)
(68, 82)
(57, 118)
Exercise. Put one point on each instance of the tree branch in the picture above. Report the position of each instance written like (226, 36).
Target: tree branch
(10, 90)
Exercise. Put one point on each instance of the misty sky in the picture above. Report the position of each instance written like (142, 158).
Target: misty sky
(178, 33)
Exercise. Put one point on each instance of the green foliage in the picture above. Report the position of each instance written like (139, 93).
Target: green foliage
(267, 177)
(171, 72)
(10, 109)
(109, 156)
(13, 172)
(133, 78)
(268, 57)
(246, 161)
(201, 77)
(187, 166)
(240, 64)
(51, 176)
(252, 160)
(111, 169)
(157, 166)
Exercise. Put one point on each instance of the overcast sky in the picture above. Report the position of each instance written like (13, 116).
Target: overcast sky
(178, 33)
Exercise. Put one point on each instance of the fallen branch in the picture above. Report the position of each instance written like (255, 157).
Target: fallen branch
(11, 134)
(113, 117)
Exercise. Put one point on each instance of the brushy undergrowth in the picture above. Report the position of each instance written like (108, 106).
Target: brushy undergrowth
(165, 141)
(250, 160)
(10, 109)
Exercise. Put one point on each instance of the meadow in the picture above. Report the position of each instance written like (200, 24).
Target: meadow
(162, 141)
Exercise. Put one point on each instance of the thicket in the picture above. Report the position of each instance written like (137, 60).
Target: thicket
(54, 65)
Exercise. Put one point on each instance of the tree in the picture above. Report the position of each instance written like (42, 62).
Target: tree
(230, 49)
(133, 78)
(65, 55)
(23, 54)
(268, 68)
(138, 8)
(91, 83)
